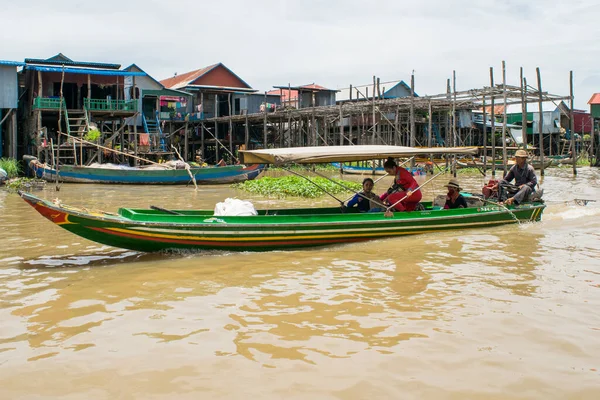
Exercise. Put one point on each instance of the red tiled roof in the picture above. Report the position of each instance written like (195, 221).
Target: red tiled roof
(182, 80)
(595, 99)
(313, 86)
(286, 95)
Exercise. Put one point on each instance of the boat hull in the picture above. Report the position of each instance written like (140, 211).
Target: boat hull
(151, 230)
(205, 175)
(356, 170)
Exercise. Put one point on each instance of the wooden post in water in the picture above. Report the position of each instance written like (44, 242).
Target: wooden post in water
(430, 128)
(484, 137)
(540, 121)
(186, 143)
(396, 126)
(572, 124)
(246, 128)
(230, 106)
(341, 127)
(593, 137)
(504, 155)
(413, 133)
(493, 127)
(313, 122)
(216, 129)
(202, 128)
(454, 133)
(523, 109)
(374, 126)
(265, 124)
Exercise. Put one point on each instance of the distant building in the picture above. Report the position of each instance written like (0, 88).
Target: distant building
(595, 105)
(311, 95)
(155, 100)
(60, 91)
(388, 90)
(218, 92)
(9, 99)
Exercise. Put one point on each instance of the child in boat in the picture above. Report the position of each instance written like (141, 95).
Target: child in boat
(404, 186)
(454, 199)
(369, 201)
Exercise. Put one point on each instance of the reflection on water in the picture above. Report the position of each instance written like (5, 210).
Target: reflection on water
(507, 312)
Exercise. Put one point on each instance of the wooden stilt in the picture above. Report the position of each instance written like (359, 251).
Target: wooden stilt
(265, 124)
(541, 121)
(484, 127)
(524, 109)
(341, 127)
(572, 125)
(230, 106)
(504, 155)
(493, 116)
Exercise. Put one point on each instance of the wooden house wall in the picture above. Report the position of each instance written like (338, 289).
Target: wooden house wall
(9, 90)
(253, 101)
(325, 98)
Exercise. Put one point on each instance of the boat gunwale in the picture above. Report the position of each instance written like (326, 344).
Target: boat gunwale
(359, 218)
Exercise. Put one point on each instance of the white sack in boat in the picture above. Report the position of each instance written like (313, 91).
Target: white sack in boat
(234, 208)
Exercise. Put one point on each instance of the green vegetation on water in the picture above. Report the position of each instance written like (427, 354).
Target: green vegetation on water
(296, 186)
(26, 184)
(11, 166)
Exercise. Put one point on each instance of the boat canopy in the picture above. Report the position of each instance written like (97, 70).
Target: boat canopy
(326, 154)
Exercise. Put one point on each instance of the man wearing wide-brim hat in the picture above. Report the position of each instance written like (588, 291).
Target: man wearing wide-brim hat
(525, 180)
(454, 199)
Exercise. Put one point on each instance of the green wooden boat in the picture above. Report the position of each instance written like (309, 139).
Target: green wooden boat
(153, 230)
(157, 229)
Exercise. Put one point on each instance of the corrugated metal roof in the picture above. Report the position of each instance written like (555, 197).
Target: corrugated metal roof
(86, 71)
(312, 87)
(224, 88)
(12, 63)
(595, 99)
(166, 92)
(547, 106)
(286, 95)
(61, 59)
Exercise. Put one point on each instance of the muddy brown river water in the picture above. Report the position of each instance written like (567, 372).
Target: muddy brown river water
(509, 312)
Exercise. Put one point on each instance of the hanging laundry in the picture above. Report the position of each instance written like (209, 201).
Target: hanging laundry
(144, 139)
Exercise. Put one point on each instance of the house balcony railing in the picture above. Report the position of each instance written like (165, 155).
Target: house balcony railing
(47, 103)
(110, 105)
(181, 116)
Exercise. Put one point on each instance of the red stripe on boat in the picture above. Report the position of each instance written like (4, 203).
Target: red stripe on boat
(226, 243)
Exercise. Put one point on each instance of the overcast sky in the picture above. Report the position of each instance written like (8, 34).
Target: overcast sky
(333, 43)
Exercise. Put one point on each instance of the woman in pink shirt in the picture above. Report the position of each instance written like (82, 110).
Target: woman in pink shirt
(404, 185)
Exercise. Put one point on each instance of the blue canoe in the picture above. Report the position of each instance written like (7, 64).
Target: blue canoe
(203, 175)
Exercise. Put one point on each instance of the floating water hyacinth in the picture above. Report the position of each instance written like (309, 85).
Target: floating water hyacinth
(294, 186)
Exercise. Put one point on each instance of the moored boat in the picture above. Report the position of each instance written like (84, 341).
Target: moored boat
(365, 170)
(140, 175)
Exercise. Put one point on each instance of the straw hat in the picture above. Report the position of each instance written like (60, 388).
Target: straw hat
(454, 184)
(521, 153)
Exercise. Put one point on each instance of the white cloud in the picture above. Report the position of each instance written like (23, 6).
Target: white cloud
(333, 43)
